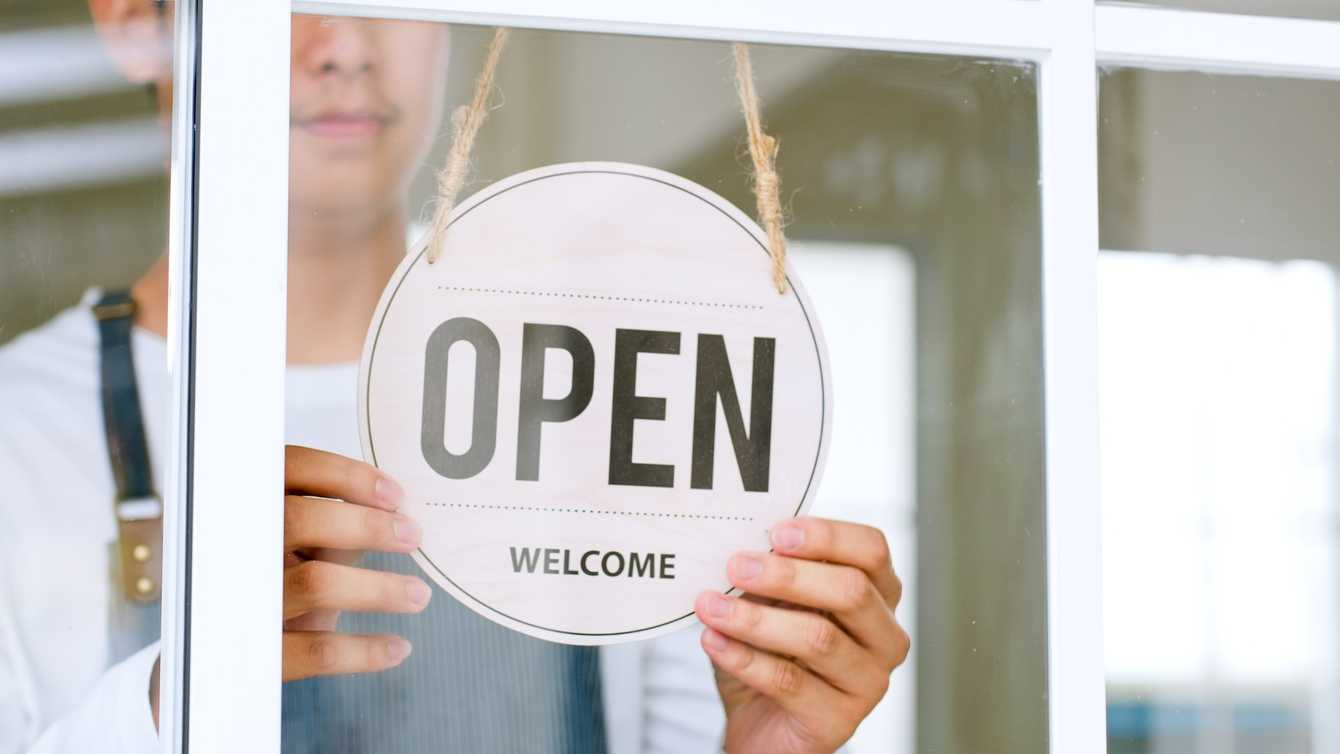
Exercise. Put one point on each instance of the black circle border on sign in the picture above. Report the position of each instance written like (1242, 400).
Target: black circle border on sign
(823, 386)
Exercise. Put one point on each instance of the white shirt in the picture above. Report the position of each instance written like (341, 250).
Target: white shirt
(57, 693)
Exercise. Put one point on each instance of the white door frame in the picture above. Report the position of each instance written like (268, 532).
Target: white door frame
(222, 593)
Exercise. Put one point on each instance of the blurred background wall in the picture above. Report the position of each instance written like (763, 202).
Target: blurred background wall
(1218, 387)
(83, 189)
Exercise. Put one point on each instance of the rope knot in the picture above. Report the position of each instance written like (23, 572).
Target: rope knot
(763, 149)
(769, 145)
(767, 183)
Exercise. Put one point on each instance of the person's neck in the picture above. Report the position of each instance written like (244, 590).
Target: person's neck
(335, 277)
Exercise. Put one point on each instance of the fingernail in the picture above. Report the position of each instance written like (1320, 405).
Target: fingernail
(788, 536)
(718, 606)
(418, 592)
(407, 530)
(397, 649)
(388, 492)
(713, 640)
(746, 567)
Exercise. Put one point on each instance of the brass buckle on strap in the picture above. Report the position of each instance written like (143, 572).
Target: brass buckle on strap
(139, 529)
(119, 310)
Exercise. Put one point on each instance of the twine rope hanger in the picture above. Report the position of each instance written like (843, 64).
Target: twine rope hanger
(467, 120)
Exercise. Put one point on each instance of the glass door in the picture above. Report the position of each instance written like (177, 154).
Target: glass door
(910, 181)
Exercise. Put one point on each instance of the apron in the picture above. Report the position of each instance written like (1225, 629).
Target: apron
(470, 685)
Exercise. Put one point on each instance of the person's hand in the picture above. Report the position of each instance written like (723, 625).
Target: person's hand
(334, 509)
(807, 654)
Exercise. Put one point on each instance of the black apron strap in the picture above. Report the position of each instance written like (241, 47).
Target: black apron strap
(138, 507)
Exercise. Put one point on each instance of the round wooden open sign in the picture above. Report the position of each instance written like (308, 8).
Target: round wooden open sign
(593, 399)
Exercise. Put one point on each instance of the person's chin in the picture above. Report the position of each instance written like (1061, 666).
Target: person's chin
(340, 194)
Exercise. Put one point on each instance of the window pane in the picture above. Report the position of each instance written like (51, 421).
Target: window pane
(83, 190)
(1217, 357)
(911, 183)
(1325, 10)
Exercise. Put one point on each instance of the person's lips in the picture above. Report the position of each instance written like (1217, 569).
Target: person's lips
(344, 125)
